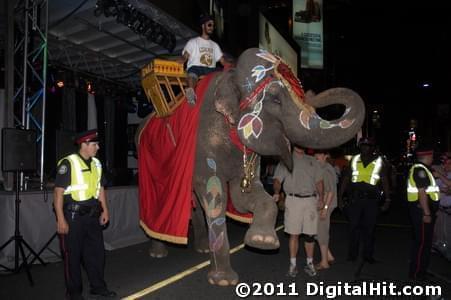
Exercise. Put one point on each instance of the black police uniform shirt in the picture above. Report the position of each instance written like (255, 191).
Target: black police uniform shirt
(63, 179)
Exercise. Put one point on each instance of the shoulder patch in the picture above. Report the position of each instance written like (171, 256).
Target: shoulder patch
(422, 174)
(62, 169)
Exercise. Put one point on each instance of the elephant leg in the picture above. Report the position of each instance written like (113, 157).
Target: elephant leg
(199, 228)
(213, 199)
(157, 249)
(261, 234)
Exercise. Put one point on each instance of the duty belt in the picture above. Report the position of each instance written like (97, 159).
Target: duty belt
(302, 196)
(91, 210)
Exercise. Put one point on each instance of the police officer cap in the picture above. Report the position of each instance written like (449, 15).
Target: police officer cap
(367, 141)
(87, 136)
(205, 18)
(424, 149)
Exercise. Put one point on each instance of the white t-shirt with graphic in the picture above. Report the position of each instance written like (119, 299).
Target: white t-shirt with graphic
(202, 52)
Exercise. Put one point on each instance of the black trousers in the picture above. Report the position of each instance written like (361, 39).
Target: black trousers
(362, 213)
(421, 244)
(83, 245)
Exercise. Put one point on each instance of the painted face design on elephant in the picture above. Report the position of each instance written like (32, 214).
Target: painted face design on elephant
(251, 124)
(259, 72)
(249, 85)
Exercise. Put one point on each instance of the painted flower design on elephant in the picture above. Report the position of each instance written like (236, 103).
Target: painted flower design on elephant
(249, 85)
(312, 120)
(213, 208)
(259, 72)
(251, 124)
(216, 239)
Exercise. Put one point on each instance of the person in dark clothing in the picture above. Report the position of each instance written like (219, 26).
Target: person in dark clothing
(423, 195)
(81, 212)
(361, 181)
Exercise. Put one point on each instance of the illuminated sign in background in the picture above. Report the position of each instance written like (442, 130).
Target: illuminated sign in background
(271, 40)
(308, 31)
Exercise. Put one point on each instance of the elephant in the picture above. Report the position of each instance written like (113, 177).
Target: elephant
(264, 104)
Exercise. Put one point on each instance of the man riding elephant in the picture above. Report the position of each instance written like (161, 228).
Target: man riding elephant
(257, 108)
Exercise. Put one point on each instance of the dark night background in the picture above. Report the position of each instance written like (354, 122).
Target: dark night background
(384, 50)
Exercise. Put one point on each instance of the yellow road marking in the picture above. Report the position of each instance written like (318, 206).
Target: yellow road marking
(179, 276)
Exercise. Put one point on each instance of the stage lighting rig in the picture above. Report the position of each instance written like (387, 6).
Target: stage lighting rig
(138, 22)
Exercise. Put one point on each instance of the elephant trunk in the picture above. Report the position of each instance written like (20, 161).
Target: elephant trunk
(318, 133)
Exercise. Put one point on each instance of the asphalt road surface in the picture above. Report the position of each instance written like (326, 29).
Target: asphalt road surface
(133, 274)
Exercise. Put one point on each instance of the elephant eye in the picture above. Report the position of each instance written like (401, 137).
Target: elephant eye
(276, 100)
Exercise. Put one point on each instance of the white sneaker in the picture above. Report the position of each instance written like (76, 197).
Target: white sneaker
(292, 271)
(310, 269)
(190, 96)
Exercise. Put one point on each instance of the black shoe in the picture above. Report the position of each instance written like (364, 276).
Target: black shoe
(370, 260)
(351, 258)
(102, 294)
(74, 297)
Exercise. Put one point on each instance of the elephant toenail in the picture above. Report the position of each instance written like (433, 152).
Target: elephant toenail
(269, 239)
(223, 282)
(257, 238)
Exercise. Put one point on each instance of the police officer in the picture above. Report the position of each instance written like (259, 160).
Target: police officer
(423, 195)
(81, 211)
(361, 182)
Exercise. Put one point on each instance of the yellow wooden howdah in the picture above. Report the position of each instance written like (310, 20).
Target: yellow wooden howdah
(164, 83)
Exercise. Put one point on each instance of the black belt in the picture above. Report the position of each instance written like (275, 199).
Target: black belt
(302, 196)
(80, 209)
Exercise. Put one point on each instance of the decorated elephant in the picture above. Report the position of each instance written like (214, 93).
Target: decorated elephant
(256, 108)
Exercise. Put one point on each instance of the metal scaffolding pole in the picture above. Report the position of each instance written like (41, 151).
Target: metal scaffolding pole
(31, 16)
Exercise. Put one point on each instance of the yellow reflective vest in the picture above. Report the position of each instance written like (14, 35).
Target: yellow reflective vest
(369, 174)
(432, 190)
(84, 185)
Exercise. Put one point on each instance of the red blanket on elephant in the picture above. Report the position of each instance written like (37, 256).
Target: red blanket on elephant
(166, 166)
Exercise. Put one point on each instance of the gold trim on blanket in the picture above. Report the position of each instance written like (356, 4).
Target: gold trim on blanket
(239, 218)
(162, 236)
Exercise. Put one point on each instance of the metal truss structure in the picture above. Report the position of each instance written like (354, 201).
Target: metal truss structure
(72, 38)
(30, 23)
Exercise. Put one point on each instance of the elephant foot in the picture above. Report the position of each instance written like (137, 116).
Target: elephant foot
(158, 249)
(223, 277)
(266, 240)
(202, 246)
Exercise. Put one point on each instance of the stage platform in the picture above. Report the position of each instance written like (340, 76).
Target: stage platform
(38, 224)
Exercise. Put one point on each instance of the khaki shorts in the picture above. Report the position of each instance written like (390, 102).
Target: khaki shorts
(301, 215)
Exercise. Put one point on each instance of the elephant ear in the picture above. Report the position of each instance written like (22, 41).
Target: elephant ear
(227, 97)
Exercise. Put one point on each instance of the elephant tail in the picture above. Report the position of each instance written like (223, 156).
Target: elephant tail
(332, 133)
(141, 127)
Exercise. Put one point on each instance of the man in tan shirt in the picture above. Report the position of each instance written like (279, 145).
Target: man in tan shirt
(304, 190)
